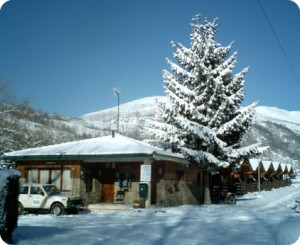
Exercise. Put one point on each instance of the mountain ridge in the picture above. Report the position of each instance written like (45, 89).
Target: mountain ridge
(274, 127)
(265, 112)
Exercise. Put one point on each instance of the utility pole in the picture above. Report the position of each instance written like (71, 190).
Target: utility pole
(258, 173)
(117, 92)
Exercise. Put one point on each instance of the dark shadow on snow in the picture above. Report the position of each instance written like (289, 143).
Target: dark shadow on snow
(238, 199)
(22, 233)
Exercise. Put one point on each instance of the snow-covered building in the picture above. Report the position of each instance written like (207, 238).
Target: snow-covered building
(253, 175)
(112, 169)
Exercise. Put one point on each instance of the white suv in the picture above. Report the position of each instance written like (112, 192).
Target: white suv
(39, 197)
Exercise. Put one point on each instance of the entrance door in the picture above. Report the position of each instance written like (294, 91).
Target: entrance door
(108, 185)
(108, 193)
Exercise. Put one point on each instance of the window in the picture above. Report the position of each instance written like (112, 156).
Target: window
(66, 179)
(35, 190)
(89, 185)
(198, 179)
(179, 175)
(60, 177)
(24, 189)
(56, 177)
(44, 176)
(33, 175)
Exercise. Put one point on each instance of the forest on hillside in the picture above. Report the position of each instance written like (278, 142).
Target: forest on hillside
(21, 126)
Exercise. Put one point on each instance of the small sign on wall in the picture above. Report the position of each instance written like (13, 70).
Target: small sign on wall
(146, 173)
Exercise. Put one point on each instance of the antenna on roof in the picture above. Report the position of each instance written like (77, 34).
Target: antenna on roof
(117, 92)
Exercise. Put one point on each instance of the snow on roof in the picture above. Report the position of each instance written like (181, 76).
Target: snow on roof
(276, 165)
(254, 163)
(266, 164)
(107, 145)
(283, 166)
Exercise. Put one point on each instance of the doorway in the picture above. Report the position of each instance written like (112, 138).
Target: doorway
(108, 185)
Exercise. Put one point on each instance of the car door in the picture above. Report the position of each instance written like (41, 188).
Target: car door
(35, 197)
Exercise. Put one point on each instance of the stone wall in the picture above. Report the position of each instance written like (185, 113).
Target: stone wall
(130, 194)
(93, 196)
(75, 189)
(169, 194)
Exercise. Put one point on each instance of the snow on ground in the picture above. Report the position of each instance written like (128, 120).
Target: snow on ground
(254, 220)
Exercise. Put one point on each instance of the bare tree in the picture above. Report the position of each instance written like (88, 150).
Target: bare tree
(8, 124)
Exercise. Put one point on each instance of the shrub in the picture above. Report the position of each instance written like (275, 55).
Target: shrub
(9, 192)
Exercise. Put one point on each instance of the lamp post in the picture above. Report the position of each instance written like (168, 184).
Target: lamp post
(117, 92)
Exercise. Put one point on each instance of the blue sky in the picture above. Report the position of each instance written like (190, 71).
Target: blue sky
(66, 56)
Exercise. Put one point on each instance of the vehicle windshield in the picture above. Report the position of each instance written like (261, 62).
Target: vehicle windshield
(51, 189)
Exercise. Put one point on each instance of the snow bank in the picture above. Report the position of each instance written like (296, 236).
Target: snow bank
(289, 232)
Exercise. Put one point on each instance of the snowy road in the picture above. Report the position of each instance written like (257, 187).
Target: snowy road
(253, 220)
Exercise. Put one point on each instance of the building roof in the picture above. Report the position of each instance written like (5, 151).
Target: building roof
(289, 167)
(277, 166)
(254, 163)
(96, 148)
(266, 164)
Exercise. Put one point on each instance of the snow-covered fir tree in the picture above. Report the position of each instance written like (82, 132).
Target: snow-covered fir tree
(203, 119)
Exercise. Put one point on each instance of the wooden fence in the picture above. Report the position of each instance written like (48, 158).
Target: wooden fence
(241, 188)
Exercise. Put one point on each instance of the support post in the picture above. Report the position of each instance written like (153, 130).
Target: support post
(146, 172)
(258, 173)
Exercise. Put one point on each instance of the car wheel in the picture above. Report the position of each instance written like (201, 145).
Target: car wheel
(20, 209)
(231, 200)
(57, 209)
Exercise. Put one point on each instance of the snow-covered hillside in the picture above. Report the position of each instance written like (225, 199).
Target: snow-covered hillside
(132, 116)
(148, 107)
(145, 107)
(290, 119)
(274, 127)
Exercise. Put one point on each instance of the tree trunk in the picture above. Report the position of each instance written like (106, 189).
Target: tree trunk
(207, 200)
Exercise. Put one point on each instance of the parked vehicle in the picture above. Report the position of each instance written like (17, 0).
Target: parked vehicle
(46, 198)
(221, 196)
(227, 198)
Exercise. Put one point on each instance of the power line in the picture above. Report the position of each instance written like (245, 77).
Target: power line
(278, 41)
